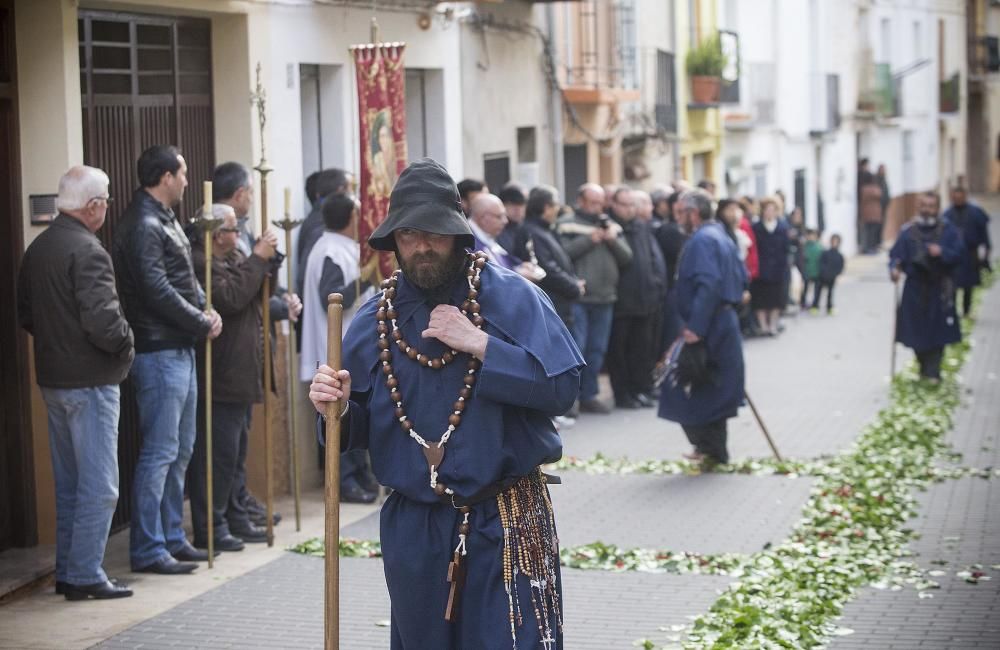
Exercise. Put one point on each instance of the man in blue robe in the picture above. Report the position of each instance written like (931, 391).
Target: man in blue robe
(974, 225)
(495, 436)
(927, 251)
(710, 283)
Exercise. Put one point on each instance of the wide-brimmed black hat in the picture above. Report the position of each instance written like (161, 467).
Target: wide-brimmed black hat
(425, 198)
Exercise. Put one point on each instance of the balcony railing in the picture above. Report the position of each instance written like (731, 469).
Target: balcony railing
(880, 92)
(949, 97)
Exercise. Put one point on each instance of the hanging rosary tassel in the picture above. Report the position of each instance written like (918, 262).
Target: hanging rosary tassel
(531, 549)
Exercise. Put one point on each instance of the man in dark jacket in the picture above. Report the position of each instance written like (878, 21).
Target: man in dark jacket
(974, 225)
(163, 302)
(641, 292)
(232, 186)
(237, 374)
(598, 249)
(66, 299)
(329, 181)
(927, 251)
(560, 283)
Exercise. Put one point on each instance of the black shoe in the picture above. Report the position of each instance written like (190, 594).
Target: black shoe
(594, 405)
(226, 543)
(258, 512)
(168, 566)
(98, 591)
(261, 520)
(251, 534)
(189, 553)
(62, 586)
(356, 494)
(629, 402)
(645, 401)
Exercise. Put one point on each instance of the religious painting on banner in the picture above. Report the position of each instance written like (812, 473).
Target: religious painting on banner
(382, 113)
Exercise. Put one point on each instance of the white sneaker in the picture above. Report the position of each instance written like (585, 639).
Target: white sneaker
(562, 421)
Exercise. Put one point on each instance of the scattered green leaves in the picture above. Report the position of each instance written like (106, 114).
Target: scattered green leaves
(852, 532)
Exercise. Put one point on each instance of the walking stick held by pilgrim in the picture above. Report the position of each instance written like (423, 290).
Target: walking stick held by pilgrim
(894, 276)
(763, 427)
(331, 616)
(207, 224)
(287, 224)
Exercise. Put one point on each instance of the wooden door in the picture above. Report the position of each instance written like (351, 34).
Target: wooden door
(145, 80)
(17, 494)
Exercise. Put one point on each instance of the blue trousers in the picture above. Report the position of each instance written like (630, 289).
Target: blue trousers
(592, 332)
(83, 441)
(166, 391)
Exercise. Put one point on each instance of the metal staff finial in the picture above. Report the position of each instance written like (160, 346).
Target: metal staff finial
(258, 98)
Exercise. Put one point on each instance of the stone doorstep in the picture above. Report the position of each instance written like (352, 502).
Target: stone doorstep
(22, 570)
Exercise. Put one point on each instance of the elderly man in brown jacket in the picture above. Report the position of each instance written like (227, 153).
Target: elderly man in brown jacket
(237, 360)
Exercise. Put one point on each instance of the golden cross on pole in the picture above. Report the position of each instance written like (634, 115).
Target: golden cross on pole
(259, 99)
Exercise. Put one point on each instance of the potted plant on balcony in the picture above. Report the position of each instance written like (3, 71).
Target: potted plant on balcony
(705, 63)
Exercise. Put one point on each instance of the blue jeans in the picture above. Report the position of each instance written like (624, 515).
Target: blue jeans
(592, 331)
(166, 393)
(83, 441)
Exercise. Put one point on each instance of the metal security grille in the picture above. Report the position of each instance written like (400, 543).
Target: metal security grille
(145, 80)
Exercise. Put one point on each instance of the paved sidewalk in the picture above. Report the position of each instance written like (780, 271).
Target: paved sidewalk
(959, 524)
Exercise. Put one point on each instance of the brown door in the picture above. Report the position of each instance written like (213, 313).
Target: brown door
(17, 495)
(145, 80)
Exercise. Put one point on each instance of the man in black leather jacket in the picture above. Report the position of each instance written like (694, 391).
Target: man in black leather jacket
(560, 282)
(164, 304)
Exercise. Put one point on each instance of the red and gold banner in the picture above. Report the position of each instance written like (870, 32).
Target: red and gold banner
(382, 113)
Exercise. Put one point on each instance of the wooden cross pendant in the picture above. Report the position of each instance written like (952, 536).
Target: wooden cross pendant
(434, 456)
(456, 576)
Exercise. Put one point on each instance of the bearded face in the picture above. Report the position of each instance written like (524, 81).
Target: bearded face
(431, 262)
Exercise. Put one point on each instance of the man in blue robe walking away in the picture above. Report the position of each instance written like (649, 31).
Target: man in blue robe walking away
(927, 251)
(453, 372)
(710, 283)
(974, 225)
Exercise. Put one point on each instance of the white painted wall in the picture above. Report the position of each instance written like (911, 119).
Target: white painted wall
(49, 109)
(285, 36)
(503, 89)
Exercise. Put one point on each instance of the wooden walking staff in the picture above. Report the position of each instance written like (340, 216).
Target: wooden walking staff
(207, 224)
(287, 224)
(763, 427)
(895, 325)
(259, 99)
(331, 611)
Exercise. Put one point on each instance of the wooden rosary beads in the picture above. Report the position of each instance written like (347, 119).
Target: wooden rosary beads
(433, 452)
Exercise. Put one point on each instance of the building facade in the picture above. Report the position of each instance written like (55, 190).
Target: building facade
(97, 83)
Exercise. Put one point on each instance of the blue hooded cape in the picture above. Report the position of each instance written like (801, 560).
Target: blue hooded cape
(530, 373)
